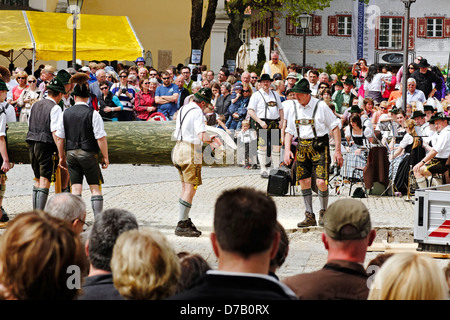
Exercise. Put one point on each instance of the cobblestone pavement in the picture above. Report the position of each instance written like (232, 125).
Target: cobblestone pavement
(152, 192)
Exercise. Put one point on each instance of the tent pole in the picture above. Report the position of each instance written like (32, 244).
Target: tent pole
(33, 42)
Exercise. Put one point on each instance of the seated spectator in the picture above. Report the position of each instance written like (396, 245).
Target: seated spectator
(375, 264)
(347, 234)
(413, 94)
(144, 265)
(108, 226)
(282, 253)
(36, 253)
(409, 276)
(434, 161)
(144, 103)
(193, 267)
(243, 261)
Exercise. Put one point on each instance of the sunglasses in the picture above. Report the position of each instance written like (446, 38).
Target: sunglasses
(130, 81)
(103, 88)
(245, 90)
(32, 81)
(383, 108)
(123, 76)
(145, 82)
(20, 77)
(254, 77)
(153, 74)
(165, 78)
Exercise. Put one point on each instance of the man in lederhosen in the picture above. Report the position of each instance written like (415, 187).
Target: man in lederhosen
(42, 124)
(187, 157)
(266, 110)
(83, 130)
(311, 121)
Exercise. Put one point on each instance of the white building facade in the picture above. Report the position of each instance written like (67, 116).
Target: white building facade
(349, 30)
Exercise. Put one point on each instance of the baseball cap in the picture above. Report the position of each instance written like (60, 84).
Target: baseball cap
(238, 86)
(347, 212)
(292, 75)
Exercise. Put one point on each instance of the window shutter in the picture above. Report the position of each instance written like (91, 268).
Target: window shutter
(332, 26)
(411, 38)
(317, 25)
(290, 27)
(447, 28)
(421, 27)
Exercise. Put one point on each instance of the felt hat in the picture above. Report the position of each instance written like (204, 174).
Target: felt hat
(56, 85)
(345, 212)
(81, 90)
(355, 109)
(423, 64)
(64, 76)
(277, 76)
(301, 86)
(265, 76)
(339, 83)
(204, 94)
(349, 81)
(438, 116)
(3, 86)
(394, 110)
(417, 114)
(428, 107)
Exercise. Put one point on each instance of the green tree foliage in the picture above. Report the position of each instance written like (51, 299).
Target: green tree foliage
(339, 68)
(261, 59)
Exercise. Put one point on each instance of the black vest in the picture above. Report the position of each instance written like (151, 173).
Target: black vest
(39, 122)
(78, 128)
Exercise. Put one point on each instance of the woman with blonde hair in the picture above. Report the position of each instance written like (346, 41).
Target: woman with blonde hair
(409, 276)
(27, 98)
(144, 265)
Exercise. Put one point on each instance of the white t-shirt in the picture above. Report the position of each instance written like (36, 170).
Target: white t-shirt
(3, 124)
(10, 112)
(193, 123)
(97, 124)
(325, 120)
(258, 102)
(287, 105)
(375, 84)
(406, 141)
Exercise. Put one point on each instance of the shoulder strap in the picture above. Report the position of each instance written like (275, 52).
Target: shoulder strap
(265, 105)
(296, 116)
(313, 118)
(181, 122)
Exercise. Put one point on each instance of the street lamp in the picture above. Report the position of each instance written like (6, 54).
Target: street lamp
(272, 34)
(405, 50)
(75, 9)
(305, 21)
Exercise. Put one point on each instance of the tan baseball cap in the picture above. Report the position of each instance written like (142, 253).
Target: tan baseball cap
(347, 212)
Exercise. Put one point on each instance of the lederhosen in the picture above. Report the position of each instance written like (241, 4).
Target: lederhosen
(81, 145)
(312, 154)
(273, 126)
(41, 146)
(187, 157)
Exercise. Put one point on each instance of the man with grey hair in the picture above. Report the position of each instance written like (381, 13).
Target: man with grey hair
(68, 207)
(414, 94)
(108, 226)
(324, 77)
(94, 87)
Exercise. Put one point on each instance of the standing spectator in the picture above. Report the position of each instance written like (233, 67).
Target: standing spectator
(243, 271)
(409, 276)
(280, 88)
(108, 226)
(224, 100)
(192, 267)
(68, 207)
(245, 137)
(94, 87)
(47, 74)
(183, 92)
(109, 104)
(27, 98)
(223, 75)
(275, 65)
(343, 98)
(373, 83)
(245, 77)
(166, 96)
(126, 95)
(144, 74)
(21, 78)
(144, 265)
(210, 76)
(313, 78)
(439, 94)
(36, 251)
(347, 234)
(359, 72)
(144, 104)
(291, 80)
(215, 89)
(389, 86)
(254, 81)
(414, 94)
(234, 119)
(425, 79)
(186, 72)
(4, 158)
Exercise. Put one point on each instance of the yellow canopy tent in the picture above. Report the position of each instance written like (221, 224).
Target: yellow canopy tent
(50, 36)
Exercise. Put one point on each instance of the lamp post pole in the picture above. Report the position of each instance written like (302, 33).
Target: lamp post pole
(405, 51)
(75, 8)
(304, 52)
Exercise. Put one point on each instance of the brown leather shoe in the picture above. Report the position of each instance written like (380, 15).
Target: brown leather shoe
(310, 220)
(321, 214)
(187, 229)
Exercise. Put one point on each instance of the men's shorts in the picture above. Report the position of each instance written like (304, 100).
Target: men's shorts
(84, 164)
(187, 158)
(271, 135)
(313, 157)
(43, 158)
(437, 165)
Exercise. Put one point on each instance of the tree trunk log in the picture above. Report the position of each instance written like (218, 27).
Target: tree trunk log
(128, 142)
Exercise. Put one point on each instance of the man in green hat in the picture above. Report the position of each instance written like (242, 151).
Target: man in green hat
(312, 122)
(42, 124)
(265, 108)
(67, 99)
(5, 164)
(83, 130)
(434, 161)
(343, 98)
(190, 133)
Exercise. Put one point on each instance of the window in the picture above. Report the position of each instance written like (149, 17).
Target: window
(315, 28)
(344, 25)
(435, 27)
(390, 33)
(244, 36)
